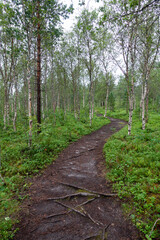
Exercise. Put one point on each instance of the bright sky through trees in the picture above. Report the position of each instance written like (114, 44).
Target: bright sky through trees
(90, 5)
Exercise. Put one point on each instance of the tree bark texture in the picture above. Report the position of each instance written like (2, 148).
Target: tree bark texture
(38, 67)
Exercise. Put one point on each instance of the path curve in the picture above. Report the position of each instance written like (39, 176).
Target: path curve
(72, 200)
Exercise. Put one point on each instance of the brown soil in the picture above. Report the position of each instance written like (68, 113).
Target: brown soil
(72, 200)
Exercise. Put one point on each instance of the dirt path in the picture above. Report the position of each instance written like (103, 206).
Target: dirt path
(72, 200)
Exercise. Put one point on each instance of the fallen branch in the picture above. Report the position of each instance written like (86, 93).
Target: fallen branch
(93, 192)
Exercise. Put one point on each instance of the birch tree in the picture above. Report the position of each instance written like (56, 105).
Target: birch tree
(149, 42)
(87, 27)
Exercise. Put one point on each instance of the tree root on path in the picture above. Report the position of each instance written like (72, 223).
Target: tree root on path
(96, 235)
(56, 215)
(84, 203)
(94, 221)
(81, 211)
(83, 194)
(104, 231)
(90, 191)
(66, 212)
(69, 207)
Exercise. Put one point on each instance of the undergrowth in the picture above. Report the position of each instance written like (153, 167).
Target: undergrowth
(18, 161)
(133, 164)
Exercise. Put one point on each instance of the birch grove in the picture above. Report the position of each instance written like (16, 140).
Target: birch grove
(44, 70)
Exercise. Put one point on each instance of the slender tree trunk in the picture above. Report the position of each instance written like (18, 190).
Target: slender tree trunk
(29, 88)
(64, 93)
(144, 93)
(131, 102)
(127, 107)
(92, 96)
(147, 101)
(74, 97)
(45, 83)
(91, 87)
(5, 106)
(58, 99)
(83, 97)
(90, 104)
(25, 91)
(38, 67)
(74, 92)
(78, 85)
(30, 109)
(130, 114)
(35, 84)
(42, 98)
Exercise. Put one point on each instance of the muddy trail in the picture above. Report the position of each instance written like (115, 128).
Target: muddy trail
(72, 200)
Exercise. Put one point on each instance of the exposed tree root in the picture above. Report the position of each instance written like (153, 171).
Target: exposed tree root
(66, 212)
(104, 231)
(82, 212)
(69, 207)
(96, 235)
(90, 191)
(56, 215)
(90, 217)
(83, 194)
(84, 203)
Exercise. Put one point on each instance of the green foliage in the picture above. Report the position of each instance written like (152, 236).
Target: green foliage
(18, 161)
(121, 114)
(134, 163)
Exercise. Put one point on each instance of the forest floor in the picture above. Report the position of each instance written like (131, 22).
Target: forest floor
(72, 200)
